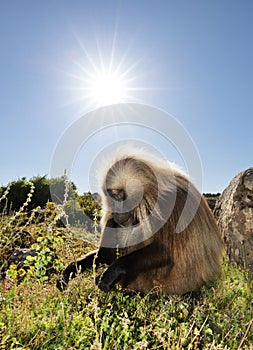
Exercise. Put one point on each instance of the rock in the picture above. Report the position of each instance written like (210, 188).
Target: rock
(234, 213)
(19, 255)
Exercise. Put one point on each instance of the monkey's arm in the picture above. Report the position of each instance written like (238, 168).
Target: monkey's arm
(134, 263)
(101, 256)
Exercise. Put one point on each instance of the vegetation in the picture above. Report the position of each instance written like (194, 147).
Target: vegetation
(211, 199)
(43, 190)
(35, 315)
(211, 194)
(37, 192)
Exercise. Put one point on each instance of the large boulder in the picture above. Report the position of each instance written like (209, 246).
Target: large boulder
(234, 213)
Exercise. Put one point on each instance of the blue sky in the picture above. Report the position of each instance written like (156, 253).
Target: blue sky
(193, 59)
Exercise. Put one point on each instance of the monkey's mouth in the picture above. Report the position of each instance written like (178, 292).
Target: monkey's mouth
(124, 219)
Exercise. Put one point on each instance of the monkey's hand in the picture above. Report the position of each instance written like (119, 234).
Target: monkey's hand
(80, 265)
(66, 275)
(110, 277)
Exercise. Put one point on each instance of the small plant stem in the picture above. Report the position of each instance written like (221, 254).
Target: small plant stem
(245, 335)
(200, 330)
(22, 208)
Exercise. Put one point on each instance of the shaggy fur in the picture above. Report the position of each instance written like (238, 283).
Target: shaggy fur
(140, 188)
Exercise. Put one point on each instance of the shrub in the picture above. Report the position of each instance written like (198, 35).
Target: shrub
(44, 190)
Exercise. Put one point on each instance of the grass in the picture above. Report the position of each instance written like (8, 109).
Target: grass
(35, 315)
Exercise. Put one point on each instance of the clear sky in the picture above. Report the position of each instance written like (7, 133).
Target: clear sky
(193, 59)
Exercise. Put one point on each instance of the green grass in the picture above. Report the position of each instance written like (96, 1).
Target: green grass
(35, 315)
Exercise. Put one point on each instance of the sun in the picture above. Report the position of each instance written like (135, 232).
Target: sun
(105, 84)
(102, 80)
(107, 87)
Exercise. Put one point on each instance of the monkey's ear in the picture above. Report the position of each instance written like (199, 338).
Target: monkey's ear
(117, 194)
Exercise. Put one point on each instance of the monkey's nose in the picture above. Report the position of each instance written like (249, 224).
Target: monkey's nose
(117, 194)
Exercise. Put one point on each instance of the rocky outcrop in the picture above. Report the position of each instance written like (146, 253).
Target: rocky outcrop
(234, 213)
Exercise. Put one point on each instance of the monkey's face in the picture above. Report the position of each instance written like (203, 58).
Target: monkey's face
(122, 215)
(127, 189)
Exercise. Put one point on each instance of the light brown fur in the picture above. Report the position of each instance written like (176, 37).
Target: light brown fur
(193, 256)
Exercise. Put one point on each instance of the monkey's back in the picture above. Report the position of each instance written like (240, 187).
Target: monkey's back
(193, 256)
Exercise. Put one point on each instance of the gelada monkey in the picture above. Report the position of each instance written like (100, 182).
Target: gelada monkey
(158, 230)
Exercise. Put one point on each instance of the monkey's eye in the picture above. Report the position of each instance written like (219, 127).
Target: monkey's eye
(117, 194)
